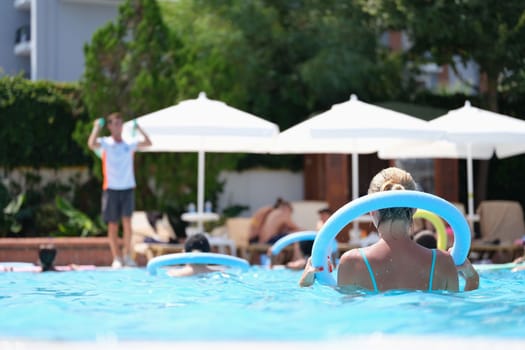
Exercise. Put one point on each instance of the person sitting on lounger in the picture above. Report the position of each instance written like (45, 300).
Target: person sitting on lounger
(396, 261)
(277, 224)
(195, 243)
(258, 219)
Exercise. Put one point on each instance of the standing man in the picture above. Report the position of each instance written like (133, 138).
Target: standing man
(118, 201)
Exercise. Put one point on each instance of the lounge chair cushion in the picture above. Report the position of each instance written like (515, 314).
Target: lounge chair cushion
(501, 220)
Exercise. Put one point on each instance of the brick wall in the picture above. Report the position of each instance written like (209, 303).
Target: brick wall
(70, 250)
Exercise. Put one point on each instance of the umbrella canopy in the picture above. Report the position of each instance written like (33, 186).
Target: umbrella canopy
(352, 127)
(470, 133)
(204, 125)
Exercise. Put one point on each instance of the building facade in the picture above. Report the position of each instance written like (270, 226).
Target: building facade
(44, 40)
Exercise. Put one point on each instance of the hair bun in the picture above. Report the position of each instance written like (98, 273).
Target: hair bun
(391, 186)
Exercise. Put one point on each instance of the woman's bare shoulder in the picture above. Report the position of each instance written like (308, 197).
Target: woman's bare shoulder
(351, 268)
(445, 263)
(444, 257)
(350, 256)
(350, 261)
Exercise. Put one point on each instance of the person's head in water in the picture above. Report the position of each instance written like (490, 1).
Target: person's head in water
(47, 255)
(197, 242)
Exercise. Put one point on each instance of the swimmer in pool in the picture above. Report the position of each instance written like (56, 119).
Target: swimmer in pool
(46, 256)
(46, 259)
(195, 243)
(396, 261)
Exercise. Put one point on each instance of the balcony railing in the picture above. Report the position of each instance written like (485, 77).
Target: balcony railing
(23, 34)
(23, 41)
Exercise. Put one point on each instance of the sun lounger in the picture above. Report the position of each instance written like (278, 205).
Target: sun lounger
(239, 231)
(147, 240)
(501, 223)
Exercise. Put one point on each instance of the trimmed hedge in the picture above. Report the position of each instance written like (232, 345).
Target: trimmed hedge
(38, 120)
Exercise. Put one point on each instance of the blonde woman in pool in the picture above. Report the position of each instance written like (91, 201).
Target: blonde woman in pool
(396, 261)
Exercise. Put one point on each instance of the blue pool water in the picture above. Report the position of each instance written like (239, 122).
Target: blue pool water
(260, 304)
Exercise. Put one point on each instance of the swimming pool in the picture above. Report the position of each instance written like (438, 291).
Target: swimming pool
(258, 305)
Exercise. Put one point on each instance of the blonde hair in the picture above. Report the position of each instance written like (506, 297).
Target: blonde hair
(393, 179)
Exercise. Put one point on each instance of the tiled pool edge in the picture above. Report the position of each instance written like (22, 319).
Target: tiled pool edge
(70, 250)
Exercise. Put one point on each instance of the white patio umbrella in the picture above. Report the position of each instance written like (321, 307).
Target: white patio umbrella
(203, 125)
(352, 127)
(470, 133)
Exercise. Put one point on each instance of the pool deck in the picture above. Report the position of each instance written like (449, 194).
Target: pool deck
(361, 342)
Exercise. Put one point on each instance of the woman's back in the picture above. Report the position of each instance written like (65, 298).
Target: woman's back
(398, 265)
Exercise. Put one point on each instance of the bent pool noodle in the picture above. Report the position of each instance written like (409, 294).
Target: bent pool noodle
(389, 199)
(291, 238)
(441, 230)
(196, 258)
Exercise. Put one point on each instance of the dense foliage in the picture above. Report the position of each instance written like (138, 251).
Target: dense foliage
(489, 32)
(271, 58)
(38, 119)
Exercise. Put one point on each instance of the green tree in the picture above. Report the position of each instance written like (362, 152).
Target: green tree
(208, 45)
(489, 32)
(132, 66)
(297, 58)
(41, 116)
(283, 61)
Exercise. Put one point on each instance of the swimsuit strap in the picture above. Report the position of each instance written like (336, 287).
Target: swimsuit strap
(431, 279)
(369, 270)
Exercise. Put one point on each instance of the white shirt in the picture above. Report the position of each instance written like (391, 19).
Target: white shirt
(117, 163)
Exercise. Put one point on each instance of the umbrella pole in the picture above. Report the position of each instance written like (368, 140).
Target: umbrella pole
(355, 233)
(470, 187)
(355, 176)
(200, 190)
